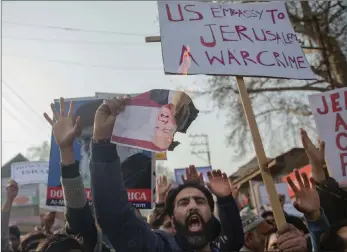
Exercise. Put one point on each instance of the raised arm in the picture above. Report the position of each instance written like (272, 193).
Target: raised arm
(307, 202)
(115, 215)
(232, 236)
(315, 155)
(11, 194)
(78, 213)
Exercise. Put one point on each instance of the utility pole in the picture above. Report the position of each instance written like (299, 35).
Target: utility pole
(200, 140)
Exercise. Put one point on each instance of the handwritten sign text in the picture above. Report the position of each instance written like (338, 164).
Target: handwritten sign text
(254, 39)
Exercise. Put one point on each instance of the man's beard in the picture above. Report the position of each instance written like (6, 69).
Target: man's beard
(199, 239)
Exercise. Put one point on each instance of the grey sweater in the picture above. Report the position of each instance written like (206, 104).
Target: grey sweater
(79, 214)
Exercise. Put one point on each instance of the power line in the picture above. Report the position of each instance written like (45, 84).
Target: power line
(25, 124)
(24, 121)
(70, 29)
(117, 68)
(76, 41)
(204, 143)
(20, 98)
(31, 132)
(12, 115)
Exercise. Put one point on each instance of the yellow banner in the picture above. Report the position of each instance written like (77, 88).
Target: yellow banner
(161, 156)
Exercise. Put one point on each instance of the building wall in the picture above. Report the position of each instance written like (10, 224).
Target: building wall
(293, 160)
(25, 211)
(285, 164)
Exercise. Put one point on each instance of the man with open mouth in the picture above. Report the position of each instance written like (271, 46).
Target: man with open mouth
(190, 206)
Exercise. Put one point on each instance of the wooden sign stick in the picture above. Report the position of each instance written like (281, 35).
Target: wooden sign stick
(262, 159)
(258, 146)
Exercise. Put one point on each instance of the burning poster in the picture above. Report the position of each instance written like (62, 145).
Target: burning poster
(151, 119)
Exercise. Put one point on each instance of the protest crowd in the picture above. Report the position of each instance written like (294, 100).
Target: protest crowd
(99, 179)
(194, 216)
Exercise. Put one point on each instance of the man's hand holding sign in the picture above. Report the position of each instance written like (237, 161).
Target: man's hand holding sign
(105, 117)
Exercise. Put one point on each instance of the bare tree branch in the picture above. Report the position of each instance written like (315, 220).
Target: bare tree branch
(281, 106)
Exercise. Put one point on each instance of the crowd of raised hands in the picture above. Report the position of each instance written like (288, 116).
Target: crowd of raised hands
(197, 216)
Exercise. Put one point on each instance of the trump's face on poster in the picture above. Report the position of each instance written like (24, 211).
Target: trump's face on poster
(165, 127)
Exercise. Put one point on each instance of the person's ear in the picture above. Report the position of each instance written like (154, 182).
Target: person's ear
(249, 237)
(249, 240)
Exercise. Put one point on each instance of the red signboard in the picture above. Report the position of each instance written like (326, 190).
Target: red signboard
(306, 169)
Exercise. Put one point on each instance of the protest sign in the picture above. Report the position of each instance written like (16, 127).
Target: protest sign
(161, 155)
(253, 39)
(137, 170)
(29, 172)
(291, 210)
(182, 171)
(329, 110)
(306, 169)
(151, 119)
(185, 115)
(281, 188)
(43, 200)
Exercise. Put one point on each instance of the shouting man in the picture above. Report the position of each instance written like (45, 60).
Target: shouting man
(190, 206)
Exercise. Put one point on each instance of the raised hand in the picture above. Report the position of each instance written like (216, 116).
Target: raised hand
(162, 188)
(11, 190)
(64, 129)
(105, 117)
(306, 196)
(192, 175)
(219, 183)
(315, 155)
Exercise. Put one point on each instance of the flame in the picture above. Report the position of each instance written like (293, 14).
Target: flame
(186, 63)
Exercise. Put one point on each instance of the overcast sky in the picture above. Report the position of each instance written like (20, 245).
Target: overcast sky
(42, 61)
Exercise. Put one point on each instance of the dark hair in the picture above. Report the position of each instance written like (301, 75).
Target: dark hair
(59, 243)
(136, 170)
(14, 230)
(156, 217)
(266, 214)
(331, 241)
(169, 204)
(31, 240)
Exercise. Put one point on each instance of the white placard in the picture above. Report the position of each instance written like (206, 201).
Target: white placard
(281, 188)
(253, 39)
(330, 114)
(29, 172)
